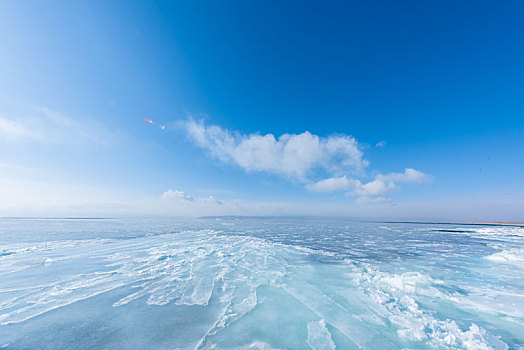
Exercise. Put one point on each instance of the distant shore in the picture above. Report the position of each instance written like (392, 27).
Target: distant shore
(503, 223)
(491, 223)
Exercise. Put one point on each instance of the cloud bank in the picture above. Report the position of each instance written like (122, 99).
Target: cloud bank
(337, 159)
(23, 198)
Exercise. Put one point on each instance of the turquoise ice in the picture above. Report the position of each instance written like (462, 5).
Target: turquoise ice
(259, 283)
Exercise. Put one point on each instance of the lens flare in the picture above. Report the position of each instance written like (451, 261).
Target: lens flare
(162, 127)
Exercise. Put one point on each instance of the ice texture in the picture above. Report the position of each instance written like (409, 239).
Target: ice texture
(259, 283)
(318, 336)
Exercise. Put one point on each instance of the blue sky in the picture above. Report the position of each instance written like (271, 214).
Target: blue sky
(410, 110)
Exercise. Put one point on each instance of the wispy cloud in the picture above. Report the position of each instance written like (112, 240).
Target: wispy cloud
(176, 195)
(12, 129)
(374, 200)
(181, 196)
(16, 167)
(301, 157)
(47, 126)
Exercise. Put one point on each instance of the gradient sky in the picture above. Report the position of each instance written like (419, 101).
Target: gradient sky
(394, 110)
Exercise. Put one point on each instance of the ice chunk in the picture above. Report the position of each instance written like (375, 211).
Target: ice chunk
(318, 336)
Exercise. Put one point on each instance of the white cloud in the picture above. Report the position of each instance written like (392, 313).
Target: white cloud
(294, 156)
(332, 184)
(374, 188)
(408, 176)
(382, 184)
(381, 143)
(176, 195)
(301, 157)
(181, 196)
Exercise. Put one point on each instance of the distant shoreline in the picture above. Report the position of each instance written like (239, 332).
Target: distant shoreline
(493, 223)
(517, 224)
(502, 223)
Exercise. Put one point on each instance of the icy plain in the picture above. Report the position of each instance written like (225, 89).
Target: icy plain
(259, 283)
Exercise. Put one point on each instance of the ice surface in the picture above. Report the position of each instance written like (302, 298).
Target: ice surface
(259, 284)
(513, 256)
(318, 336)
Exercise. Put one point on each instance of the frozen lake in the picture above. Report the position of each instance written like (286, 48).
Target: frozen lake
(259, 283)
